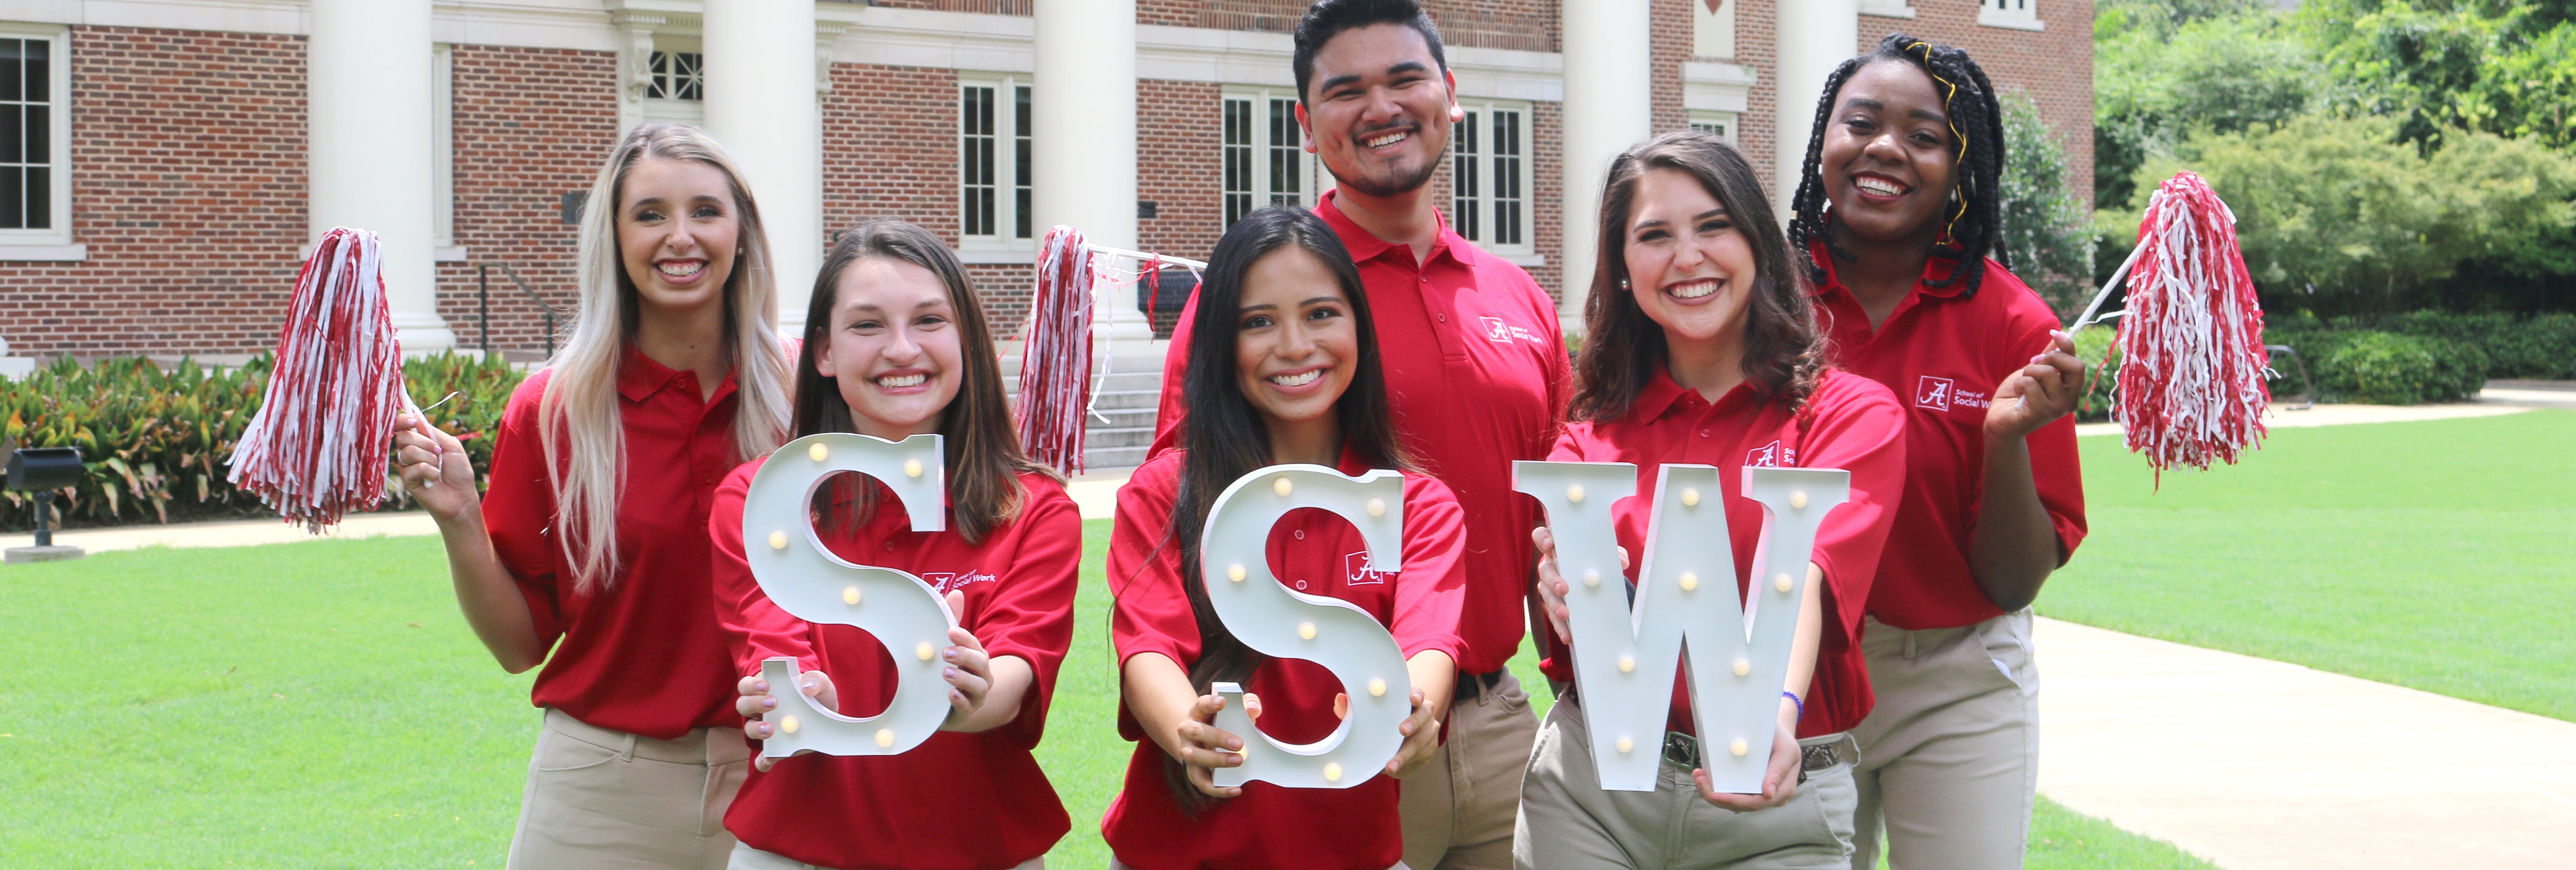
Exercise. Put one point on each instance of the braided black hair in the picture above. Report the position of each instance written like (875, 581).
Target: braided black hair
(1974, 225)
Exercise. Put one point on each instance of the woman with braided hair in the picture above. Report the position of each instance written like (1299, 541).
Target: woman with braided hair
(1898, 214)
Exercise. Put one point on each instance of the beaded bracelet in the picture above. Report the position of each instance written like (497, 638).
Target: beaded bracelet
(1793, 699)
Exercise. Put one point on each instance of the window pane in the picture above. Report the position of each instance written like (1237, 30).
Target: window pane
(658, 84)
(40, 198)
(1022, 146)
(12, 145)
(1238, 160)
(13, 202)
(1507, 182)
(1287, 160)
(975, 160)
(1464, 185)
(12, 54)
(39, 70)
(40, 135)
(689, 71)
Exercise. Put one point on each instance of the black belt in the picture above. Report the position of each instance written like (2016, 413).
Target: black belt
(1469, 685)
(1683, 749)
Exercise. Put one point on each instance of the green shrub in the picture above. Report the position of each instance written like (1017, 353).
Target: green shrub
(2387, 368)
(2537, 347)
(2099, 348)
(156, 442)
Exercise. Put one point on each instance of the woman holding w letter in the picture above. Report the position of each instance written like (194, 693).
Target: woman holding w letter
(1702, 351)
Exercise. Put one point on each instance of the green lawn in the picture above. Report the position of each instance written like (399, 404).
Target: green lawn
(322, 704)
(2434, 555)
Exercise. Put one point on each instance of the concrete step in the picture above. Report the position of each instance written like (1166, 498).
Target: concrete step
(1138, 436)
(1098, 459)
(1120, 418)
(1145, 398)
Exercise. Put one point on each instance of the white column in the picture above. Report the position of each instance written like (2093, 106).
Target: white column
(1813, 37)
(367, 98)
(1609, 105)
(1083, 109)
(761, 104)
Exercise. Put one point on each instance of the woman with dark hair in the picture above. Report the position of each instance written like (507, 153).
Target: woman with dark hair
(1898, 216)
(1283, 368)
(1701, 351)
(896, 345)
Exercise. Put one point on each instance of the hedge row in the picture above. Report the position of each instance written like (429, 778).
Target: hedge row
(2407, 359)
(155, 441)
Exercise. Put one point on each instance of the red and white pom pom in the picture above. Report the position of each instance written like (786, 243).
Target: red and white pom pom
(1055, 358)
(2191, 381)
(317, 448)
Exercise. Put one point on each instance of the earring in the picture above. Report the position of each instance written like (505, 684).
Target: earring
(1623, 283)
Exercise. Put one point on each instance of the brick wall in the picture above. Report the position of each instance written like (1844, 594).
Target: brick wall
(1757, 49)
(531, 125)
(1525, 25)
(188, 188)
(2054, 66)
(1180, 137)
(1669, 43)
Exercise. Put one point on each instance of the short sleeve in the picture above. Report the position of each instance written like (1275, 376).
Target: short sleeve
(2055, 466)
(1431, 591)
(1152, 608)
(755, 628)
(1857, 426)
(519, 509)
(1031, 615)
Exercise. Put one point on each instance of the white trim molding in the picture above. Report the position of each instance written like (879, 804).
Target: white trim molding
(12, 253)
(2010, 14)
(1887, 8)
(1717, 87)
(57, 161)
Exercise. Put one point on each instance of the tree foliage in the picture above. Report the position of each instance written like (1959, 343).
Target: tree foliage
(2339, 216)
(2045, 228)
(2507, 68)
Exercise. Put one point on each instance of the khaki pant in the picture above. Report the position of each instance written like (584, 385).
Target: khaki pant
(1568, 822)
(1950, 756)
(609, 799)
(1458, 808)
(748, 858)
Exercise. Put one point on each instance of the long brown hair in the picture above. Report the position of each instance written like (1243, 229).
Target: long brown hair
(981, 449)
(1784, 355)
(1226, 438)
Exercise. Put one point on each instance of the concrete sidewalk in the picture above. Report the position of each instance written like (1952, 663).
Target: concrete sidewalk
(2278, 417)
(2257, 764)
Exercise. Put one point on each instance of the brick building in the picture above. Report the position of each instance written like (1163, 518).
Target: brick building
(165, 162)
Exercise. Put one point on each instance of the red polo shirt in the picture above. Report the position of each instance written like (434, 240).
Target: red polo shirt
(1314, 552)
(1943, 353)
(1849, 423)
(1477, 376)
(957, 801)
(640, 652)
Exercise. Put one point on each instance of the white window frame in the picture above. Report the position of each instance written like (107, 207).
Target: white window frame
(1887, 8)
(1270, 144)
(1721, 123)
(1496, 177)
(54, 242)
(2011, 14)
(664, 110)
(1009, 181)
(1713, 33)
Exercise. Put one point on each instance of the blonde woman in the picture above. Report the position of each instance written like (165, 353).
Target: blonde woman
(592, 541)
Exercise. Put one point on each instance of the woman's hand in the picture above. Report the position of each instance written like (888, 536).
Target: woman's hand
(969, 672)
(2039, 393)
(756, 701)
(1779, 783)
(435, 469)
(1205, 747)
(1551, 583)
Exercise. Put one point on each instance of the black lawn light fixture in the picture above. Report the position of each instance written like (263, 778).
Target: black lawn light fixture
(42, 470)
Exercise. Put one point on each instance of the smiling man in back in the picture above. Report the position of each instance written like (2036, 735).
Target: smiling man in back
(1478, 375)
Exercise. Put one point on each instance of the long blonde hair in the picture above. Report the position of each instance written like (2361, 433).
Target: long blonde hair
(580, 410)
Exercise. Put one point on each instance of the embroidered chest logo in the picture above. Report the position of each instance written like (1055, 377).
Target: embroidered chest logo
(1940, 394)
(951, 581)
(1356, 571)
(1771, 455)
(1499, 331)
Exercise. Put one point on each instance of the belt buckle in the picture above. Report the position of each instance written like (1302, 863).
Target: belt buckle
(1681, 749)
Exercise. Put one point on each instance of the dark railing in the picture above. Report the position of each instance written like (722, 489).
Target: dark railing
(483, 303)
